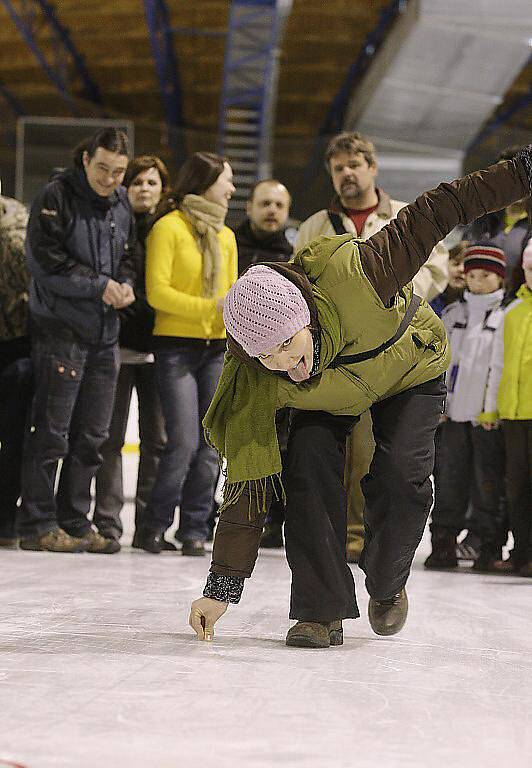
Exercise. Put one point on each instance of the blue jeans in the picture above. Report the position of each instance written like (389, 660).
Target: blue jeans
(187, 378)
(109, 484)
(69, 420)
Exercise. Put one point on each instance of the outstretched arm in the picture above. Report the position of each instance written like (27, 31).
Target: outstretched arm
(235, 550)
(393, 256)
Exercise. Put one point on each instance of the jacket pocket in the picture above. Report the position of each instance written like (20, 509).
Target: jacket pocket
(64, 382)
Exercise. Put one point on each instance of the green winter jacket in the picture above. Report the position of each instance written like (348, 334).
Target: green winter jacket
(334, 269)
(514, 400)
(359, 291)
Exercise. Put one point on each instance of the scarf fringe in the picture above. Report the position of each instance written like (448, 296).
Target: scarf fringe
(256, 491)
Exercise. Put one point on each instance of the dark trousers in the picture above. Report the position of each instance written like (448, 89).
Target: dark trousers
(276, 512)
(109, 480)
(187, 378)
(398, 495)
(518, 442)
(69, 420)
(469, 483)
(15, 395)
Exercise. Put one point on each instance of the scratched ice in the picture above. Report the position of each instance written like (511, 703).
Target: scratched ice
(99, 667)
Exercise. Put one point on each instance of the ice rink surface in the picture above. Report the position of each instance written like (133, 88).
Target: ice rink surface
(98, 667)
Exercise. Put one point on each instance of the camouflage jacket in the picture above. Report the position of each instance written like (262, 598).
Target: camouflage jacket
(14, 276)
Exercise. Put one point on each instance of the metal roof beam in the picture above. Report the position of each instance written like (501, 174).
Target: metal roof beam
(22, 13)
(90, 88)
(161, 39)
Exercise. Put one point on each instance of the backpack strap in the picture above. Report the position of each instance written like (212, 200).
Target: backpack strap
(337, 223)
(362, 356)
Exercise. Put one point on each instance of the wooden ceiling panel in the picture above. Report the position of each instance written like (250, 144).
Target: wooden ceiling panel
(321, 41)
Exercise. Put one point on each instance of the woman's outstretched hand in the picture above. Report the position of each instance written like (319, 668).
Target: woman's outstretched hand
(204, 613)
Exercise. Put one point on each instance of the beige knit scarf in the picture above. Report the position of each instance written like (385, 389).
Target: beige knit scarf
(207, 219)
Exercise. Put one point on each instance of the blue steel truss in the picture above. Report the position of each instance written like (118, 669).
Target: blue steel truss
(11, 101)
(161, 39)
(25, 17)
(249, 90)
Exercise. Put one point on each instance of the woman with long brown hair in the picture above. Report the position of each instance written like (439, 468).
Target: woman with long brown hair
(191, 264)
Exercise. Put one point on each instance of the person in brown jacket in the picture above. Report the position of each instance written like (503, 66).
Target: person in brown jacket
(361, 207)
(333, 333)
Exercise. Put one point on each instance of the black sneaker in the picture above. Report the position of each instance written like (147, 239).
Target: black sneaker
(162, 545)
(469, 548)
(193, 548)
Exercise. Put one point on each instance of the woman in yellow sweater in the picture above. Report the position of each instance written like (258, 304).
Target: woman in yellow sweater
(191, 264)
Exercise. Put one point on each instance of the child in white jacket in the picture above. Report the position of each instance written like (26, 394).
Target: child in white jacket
(469, 484)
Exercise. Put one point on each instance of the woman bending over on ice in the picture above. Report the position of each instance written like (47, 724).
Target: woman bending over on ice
(334, 332)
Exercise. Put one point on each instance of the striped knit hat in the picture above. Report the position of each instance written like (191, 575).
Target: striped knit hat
(485, 256)
(263, 309)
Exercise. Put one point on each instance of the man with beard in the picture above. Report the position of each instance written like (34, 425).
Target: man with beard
(261, 237)
(360, 207)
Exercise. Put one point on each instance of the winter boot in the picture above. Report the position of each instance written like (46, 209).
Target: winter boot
(314, 634)
(387, 617)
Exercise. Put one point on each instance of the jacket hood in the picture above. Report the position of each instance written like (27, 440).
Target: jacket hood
(314, 257)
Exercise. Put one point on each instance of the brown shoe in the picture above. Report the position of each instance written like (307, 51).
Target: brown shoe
(99, 545)
(314, 634)
(387, 617)
(8, 543)
(53, 541)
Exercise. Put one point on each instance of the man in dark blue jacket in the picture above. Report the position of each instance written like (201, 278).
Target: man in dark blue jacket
(79, 252)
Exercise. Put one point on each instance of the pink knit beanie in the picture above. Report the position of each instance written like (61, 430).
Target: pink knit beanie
(263, 309)
(527, 255)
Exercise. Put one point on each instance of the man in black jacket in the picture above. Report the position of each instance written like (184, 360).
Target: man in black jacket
(79, 253)
(262, 237)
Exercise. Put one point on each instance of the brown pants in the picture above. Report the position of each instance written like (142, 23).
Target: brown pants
(360, 448)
